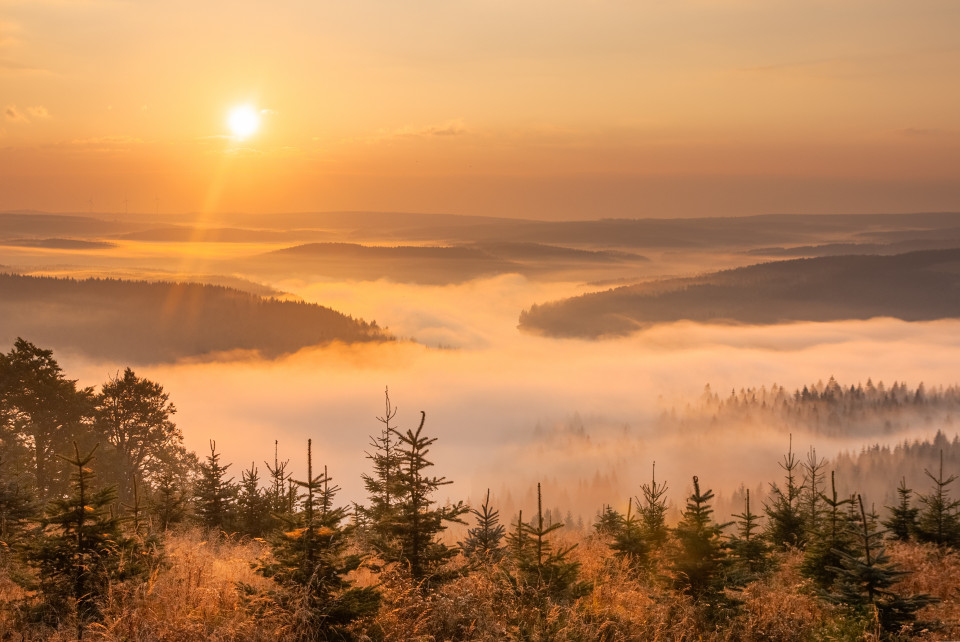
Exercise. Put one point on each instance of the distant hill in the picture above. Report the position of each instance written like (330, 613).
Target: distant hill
(429, 264)
(140, 322)
(915, 286)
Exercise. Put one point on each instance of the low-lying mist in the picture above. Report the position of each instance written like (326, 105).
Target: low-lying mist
(511, 409)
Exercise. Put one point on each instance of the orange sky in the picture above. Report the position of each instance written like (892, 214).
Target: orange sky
(574, 109)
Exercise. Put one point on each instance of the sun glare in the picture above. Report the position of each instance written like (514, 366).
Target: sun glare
(244, 121)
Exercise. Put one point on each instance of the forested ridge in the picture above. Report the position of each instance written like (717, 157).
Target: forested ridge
(150, 322)
(110, 529)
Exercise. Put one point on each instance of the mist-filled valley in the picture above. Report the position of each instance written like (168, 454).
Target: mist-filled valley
(510, 408)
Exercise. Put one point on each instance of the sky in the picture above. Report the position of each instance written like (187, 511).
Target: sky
(569, 109)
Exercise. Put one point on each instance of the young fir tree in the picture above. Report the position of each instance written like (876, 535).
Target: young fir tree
(821, 558)
(383, 485)
(538, 566)
(785, 524)
(417, 524)
(939, 522)
(483, 541)
(697, 563)
(629, 542)
(608, 522)
(309, 563)
(653, 511)
(864, 580)
(78, 552)
(748, 551)
(215, 495)
(902, 524)
(811, 499)
(253, 508)
(169, 501)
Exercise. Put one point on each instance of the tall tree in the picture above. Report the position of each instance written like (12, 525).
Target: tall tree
(43, 411)
(133, 415)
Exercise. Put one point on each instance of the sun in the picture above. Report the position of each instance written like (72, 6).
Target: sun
(244, 121)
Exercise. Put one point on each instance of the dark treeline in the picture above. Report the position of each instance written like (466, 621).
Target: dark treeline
(148, 322)
(95, 484)
(915, 286)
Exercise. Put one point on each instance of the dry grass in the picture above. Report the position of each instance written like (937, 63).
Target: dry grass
(195, 595)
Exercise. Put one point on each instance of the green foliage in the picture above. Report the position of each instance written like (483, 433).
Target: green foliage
(483, 541)
(785, 523)
(253, 506)
(939, 522)
(609, 522)
(748, 552)
(215, 495)
(132, 415)
(80, 550)
(383, 485)
(864, 580)
(41, 412)
(697, 562)
(549, 572)
(629, 541)
(309, 563)
(653, 511)
(832, 540)
(902, 524)
(169, 501)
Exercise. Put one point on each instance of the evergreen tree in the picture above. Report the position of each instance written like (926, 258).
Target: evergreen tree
(383, 485)
(748, 551)
(903, 517)
(483, 541)
(309, 563)
(698, 560)
(864, 580)
(549, 572)
(629, 542)
(823, 554)
(785, 525)
(17, 505)
(215, 495)
(169, 501)
(609, 522)
(939, 522)
(418, 524)
(253, 507)
(78, 551)
(653, 511)
(811, 493)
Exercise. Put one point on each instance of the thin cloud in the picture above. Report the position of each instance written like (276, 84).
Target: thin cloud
(38, 112)
(12, 114)
(454, 127)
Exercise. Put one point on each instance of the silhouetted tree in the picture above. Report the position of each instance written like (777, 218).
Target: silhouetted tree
(865, 579)
(832, 540)
(629, 541)
(483, 541)
(538, 566)
(253, 508)
(697, 561)
(383, 485)
(938, 522)
(653, 510)
(215, 495)
(43, 410)
(785, 526)
(748, 551)
(902, 524)
(133, 416)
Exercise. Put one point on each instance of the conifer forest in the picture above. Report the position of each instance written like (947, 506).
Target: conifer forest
(111, 529)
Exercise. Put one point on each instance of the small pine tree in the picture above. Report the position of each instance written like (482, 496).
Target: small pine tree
(939, 522)
(811, 493)
(77, 553)
(483, 541)
(748, 551)
(698, 560)
(629, 542)
(864, 581)
(253, 508)
(785, 524)
(309, 563)
(215, 495)
(822, 556)
(653, 511)
(609, 522)
(383, 485)
(169, 501)
(902, 524)
(549, 572)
